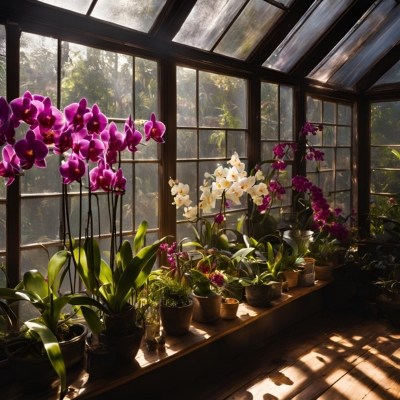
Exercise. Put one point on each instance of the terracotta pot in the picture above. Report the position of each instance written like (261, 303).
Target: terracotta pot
(125, 347)
(292, 278)
(278, 289)
(32, 373)
(122, 323)
(206, 308)
(176, 320)
(323, 272)
(229, 308)
(259, 295)
(309, 264)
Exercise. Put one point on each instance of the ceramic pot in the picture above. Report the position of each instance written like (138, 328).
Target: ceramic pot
(122, 323)
(306, 279)
(229, 308)
(300, 237)
(206, 308)
(125, 347)
(309, 264)
(73, 350)
(323, 272)
(176, 320)
(292, 278)
(278, 289)
(259, 295)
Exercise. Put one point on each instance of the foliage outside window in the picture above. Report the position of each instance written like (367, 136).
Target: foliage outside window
(120, 85)
(211, 126)
(385, 164)
(334, 174)
(277, 127)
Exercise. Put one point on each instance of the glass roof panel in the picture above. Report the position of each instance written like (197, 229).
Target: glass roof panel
(207, 21)
(2, 40)
(78, 6)
(314, 23)
(351, 43)
(392, 76)
(286, 3)
(374, 48)
(135, 14)
(254, 22)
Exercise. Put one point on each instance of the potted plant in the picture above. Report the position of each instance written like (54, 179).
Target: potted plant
(322, 249)
(176, 306)
(49, 344)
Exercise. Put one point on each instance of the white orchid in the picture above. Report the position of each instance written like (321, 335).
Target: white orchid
(180, 200)
(220, 172)
(180, 188)
(233, 175)
(190, 212)
(259, 175)
(247, 183)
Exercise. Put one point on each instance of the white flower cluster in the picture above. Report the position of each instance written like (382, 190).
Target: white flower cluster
(230, 182)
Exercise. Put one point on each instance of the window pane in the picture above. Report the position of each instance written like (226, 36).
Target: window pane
(342, 200)
(212, 144)
(269, 111)
(222, 101)
(102, 77)
(206, 22)
(385, 181)
(40, 220)
(385, 123)
(329, 112)
(2, 228)
(344, 115)
(343, 159)
(3, 86)
(286, 109)
(127, 211)
(184, 230)
(186, 96)
(43, 180)
(237, 142)
(146, 194)
(311, 27)
(343, 136)
(3, 190)
(186, 143)
(314, 110)
(329, 159)
(353, 40)
(343, 180)
(392, 76)
(255, 22)
(79, 6)
(38, 65)
(328, 135)
(186, 172)
(385, 157)
(136, 14)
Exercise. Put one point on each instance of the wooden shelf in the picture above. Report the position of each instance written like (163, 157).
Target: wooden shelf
(199, 336)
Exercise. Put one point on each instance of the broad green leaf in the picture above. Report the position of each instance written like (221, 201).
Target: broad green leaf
(6, 312)
(34, 282)
(12, 294)
(126, 253)
(82, 300)
(195, 244)
(92, 319)
(223, 242)
(196, 234)
(270, 256)
(144, 273)
(83, 270)
(60, 278)
(242, 253)
(55, 264)
(139, 237)
(105, 273)
(396, 153)
(93, 256)
(58, 304)
(52, 349)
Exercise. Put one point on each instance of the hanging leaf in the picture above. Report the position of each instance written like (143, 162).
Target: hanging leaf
(34, 282)
(55, 264)
(140, 236)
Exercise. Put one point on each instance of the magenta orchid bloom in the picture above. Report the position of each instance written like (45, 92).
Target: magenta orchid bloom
(73, 169)
(31, 151)
(101, 177)
(26, 108)
(154, 129)
(132, 137)
(77, 137)
(63, 141)
(51, 122)
(10, 164)
(7, 131)
(95, 121)
(119, 182)
(92, 150)
(114, 142)
(74, 114)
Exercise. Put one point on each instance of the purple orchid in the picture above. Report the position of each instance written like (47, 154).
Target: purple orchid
(132, 137)
(73, 169)
(114, 142)
(154, 129)
(101, 177)
(95, 121)
(50, 121)
(77, 137)
(63, 141)
(10, 164)
(92, 150)
(74, 114)
(31, 151)
(7, 131)
(119, 182)
(26, 108)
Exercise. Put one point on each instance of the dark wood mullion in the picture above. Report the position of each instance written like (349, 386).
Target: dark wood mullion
(13, 211)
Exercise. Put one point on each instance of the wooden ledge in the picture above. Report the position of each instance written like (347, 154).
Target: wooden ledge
(200, 335)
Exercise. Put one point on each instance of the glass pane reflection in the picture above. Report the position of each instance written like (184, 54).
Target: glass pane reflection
(78, 6)
(392, 76)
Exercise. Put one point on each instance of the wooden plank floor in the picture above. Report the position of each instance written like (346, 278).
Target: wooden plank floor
(328, 356)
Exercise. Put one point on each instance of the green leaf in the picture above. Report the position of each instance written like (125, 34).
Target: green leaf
(6, 312)
(139, 237)
(93, 256)
(58, 304)
(83, 270)
(195, 244)
(82, 300)
(52, 349)
(12, 294)
(144, 273)
(242, 253)
(55, 264)
(92, 319)
(396, 153)
(34, 282)
(105, 273)
(126, 254)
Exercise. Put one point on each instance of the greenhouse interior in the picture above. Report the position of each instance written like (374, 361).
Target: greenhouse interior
(199, 199)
